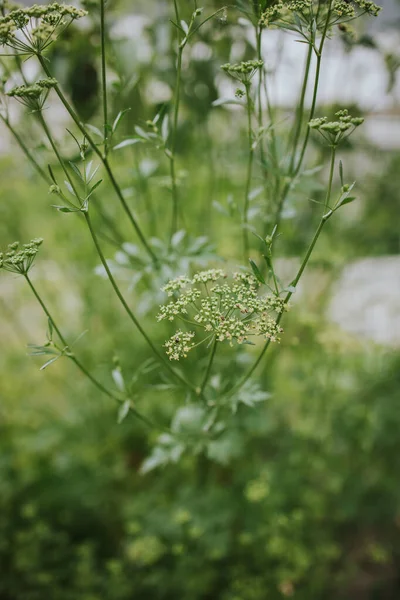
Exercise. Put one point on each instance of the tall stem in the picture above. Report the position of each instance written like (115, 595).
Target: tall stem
(56, 152)
(104, 74)
(128, 310)
(248, 177)
(295, 172)
(300, 108)
(175, 196)
(315, 91)
(103, 159)
(303, 265)
(209, 366)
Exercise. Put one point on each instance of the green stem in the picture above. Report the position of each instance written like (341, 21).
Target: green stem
(103, 159)
(65, 343)
(248, 177)
(128, 310)
(300, 108)
(175, 197)
(109, 223)
(25, 150)
(315, 90)
(77, 362)
(293, 175)
(104, 74)
(303, 265)
(56, 152)
(209, 366)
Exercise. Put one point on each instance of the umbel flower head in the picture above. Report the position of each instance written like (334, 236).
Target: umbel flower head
(302, 16)
(31, 30)
(33, 96)
(244, 71)
(19, 259)
(221, 309)
(335, 131)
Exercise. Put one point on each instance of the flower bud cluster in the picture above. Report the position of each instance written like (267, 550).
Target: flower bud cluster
(39, 25)
(232, 311)
(19, 259)
(243, 71)
(335, 131)
(33, 96)
(303, 15)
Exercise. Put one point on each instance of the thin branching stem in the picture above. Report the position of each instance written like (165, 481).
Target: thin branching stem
(128, 310)
(104, 74)
(296, 169)
(326, 215)
(25, 150)
(103, 159)
(69, 354)
(209, 366)
(174, 185)
(248, 176)
(300, 108)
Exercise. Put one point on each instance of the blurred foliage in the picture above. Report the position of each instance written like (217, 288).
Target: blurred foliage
(299, 496)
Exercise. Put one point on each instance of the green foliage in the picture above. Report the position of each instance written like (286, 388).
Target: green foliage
(237, 474)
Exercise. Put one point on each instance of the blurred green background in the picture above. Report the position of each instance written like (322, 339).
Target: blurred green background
(300, 497)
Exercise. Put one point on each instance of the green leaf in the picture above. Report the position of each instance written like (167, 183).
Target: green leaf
(341, 172)
(49, 362)
(76, 170)
(118, 379)
(95, 186)
(142, 133)
(226, 100)
(66, 209)
(268, 260)
(118, 118)
(69, 187)
(123, 411)
(126, 143)
(94, 130)
(256, 271)
(347, 200)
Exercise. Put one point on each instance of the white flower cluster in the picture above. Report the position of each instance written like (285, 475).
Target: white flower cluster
(226, 311)
(179, 344)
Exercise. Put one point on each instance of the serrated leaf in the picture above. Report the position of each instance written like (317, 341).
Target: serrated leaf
(256, 271)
